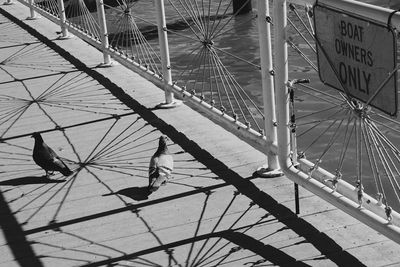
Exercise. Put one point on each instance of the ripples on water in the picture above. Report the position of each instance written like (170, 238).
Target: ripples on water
(242, 40)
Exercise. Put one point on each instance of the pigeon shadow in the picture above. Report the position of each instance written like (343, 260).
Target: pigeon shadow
(135, 193)
(31, 180)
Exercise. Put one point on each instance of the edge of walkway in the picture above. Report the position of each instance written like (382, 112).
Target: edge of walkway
(187, 132)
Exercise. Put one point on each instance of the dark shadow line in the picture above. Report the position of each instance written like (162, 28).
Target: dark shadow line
(269, 252)
(37, 196)
(16, 53)
(35, 77)
(77, 250)
(16, 45)
(319, 240)
(43, 205)
(22, 251)
(63, 199)
(115, 143)
(104, 135)
(203, 260)
(136, 193)
(30, 78)
(196, 232)
(116, 148)
(69, 126)
(30, 180)
(21, 112)
(195, 263)
(123, 209)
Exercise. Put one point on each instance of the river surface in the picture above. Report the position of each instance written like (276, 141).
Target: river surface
(241, 39)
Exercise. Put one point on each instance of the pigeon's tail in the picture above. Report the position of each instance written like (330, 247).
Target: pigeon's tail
(66, 171)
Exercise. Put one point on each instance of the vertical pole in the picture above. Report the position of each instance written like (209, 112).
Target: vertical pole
(293, 143)
(264, 33)
(103, 31)
(281, 78)
(63, 19)
(164, 52)
(281, 85)
(241, 6)
(296, 198)
(32, 10)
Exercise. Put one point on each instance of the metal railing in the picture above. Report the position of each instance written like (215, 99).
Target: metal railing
(278, 125)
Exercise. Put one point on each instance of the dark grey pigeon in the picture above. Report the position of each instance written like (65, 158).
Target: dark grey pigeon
(47, 159)
(161, 165)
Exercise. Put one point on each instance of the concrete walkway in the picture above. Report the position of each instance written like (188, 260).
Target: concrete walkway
(103, 120)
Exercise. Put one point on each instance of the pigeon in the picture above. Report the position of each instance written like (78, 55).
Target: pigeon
(161, 166)
(47, 159)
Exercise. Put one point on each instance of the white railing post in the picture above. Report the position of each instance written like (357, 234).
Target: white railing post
(300, 177)
(264, 32)
(282, 90)
(63, 19)
(104, 33)
(32, 11)
(281, 78)
(170, 101)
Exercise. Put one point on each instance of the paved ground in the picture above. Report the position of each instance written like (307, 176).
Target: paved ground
(213, 213)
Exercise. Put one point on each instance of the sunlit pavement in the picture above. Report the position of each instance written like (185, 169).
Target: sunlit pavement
(103, 122)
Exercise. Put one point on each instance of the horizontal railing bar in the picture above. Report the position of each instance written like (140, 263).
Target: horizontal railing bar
(252, 137)
(348, 190)
(345, 196)
(368, 217)
(379, 14)
(341, 201)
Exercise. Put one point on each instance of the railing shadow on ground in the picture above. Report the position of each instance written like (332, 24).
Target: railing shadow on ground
(307, 166)
(20, 247)
(328, 248)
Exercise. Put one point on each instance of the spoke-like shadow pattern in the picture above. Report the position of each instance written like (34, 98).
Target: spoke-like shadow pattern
(207, 215)
(337, 130)
(30, 60)
(18, 36)
(48, 99)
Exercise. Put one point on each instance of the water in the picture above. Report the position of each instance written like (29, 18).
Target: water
(240, 38)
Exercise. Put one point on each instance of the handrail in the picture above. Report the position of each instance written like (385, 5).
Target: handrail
(342, 197)
(379, 14)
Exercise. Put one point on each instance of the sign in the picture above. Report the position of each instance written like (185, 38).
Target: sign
(356, 56)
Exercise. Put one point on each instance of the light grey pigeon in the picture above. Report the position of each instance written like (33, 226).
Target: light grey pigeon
(47, 159)
(161, 165)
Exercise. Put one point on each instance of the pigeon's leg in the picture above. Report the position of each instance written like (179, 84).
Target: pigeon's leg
(152, 182)
(167, 178)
